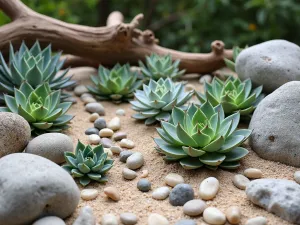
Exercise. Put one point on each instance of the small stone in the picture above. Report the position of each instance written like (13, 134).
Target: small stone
(107, 143)
(120, 112)
(106, 132)
(119, 136)
(89, 194)
(100, 123)
(189, 87)
(94, 139)
(80, 89)
(161, 193)
(253, 173)
(124, 155)
(126, 143)
(129, 174)
(260, 220)
(233, 215)
(157, 219)
(181, 194)
(109, 152)
(95, 107)
(86, 217)
(240, 181)
(144, 185)
(297, 176)
(128, 218)
(109, 219)
(87, 100)
(145, 173)
(205, 78)
(214, 216)
(49, 220)
(186, 222)
(172, 179)
(84, 95)
(135, 161)
(194, 207)
(209, 188)
(114, 124)
(116, 149)
(93, 117)
(112, 193)
(70, 99)
(91, 130)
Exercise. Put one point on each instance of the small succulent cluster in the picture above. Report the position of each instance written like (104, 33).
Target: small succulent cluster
(157, 100)
(202, 136)
(88, 164)
(231, 63)
(41, 107)
(233, 94)
(117, 84)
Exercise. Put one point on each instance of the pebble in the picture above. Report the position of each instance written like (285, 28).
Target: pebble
(87, 100)
(128, 218)
(135, 161)
(95, 107)
(194, 207)
(119, 136)
(70, 99)
(240, 181)
(109, 219)
(109, 152)
(186, 222)
(49, 220)
(157, 219)
(129, 174)
(144, 185)
(84, 95)
(114, 124)
(106, 132)
(100, 123)
(205, 78)
(89, 194)
(120, 112)
(214, 216)
(233, 215)
(107, 143)
(253, 173)
(189, 87)
(172, 179)
(209, 188)
(260, 220)
(145, 173)
(126, 143)
(181, 194)
(124, 155)
(112, 193)
(91, 130)
(93, 117)
(86, 217)
(297, 176)
(161, 193)
(80, 89)
(94, 139)
(116, 149)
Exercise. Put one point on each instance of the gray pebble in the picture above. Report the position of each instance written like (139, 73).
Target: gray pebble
(119, 136)
(135, 161)
(186, 222)
(70, 99)
(181, 194)
(116, 149)
(124, 155)
(129, 174)
(80, 89)
(91, 130)
(144, 185)
(86, 217)
(85, 95)
(107, 143)
(95, 107)
(100, 123)
(49, 220)
(128, 218)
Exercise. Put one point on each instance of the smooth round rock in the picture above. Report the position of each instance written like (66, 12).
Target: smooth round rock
(144, 185)
(129, 174)
(260, 220)
(145, 173)
(194, 207)
(120, 112)
(214, 216)
(124, 155)
(126, 143)
(106, 132)
(85, 95)
(233, 215)
(87, 100)
(70, 99)
(94, 139)
(172, 179)
(112, 193)
(240, 181)
(39, 185)
(161, 193)
(157, 219)
(297, 176)
(15, 133)
(186, 222)
(209, 188)
(86, 217)
(100, 123)
(119, 136)
(181, 194)
(114, 124)
(91, 130)
(51, 146)
(253, 173)
(135, 161)
(93, 117)
(49, 220)
(109, 219)
(89, 194)
(128, 218)
(80, 89)
(106, 142)
(95, 107)
(116, 149)
(205, 79)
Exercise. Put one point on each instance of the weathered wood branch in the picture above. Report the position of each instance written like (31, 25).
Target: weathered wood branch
(117, 42)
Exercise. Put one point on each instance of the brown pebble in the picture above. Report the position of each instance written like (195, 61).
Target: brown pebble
(145, 173)
(233, 215)
(112, 193)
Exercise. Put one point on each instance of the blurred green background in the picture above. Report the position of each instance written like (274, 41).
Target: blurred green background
(188, 25)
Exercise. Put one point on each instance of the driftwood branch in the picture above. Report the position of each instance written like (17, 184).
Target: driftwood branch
(116, 42)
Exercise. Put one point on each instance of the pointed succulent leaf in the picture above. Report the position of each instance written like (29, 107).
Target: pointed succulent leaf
(236, 154)
(212, 159)
(190, 163)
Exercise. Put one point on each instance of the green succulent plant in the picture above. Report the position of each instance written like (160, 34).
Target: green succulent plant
(117, 84)
(233, 94)
(157, 67)
(41, 107)
(88, 164)
(202, 136)
(231, 63)
(34, 65)
(157, 100)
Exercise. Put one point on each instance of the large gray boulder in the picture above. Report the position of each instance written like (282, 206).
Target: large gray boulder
(275, 125)
(281, 197)
(31, 187)
(271, 64)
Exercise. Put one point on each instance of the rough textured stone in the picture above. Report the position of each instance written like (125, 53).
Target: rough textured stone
(15, 133)
(181, 194)
(275, 126)
(281, 197)
(271, 64)
(37, 183)
(49, 220)
(86, 217)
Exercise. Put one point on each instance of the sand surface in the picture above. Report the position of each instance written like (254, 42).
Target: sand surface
(142, 204)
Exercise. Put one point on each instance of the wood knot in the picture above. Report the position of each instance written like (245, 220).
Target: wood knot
(217, 47)
(148, 37)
